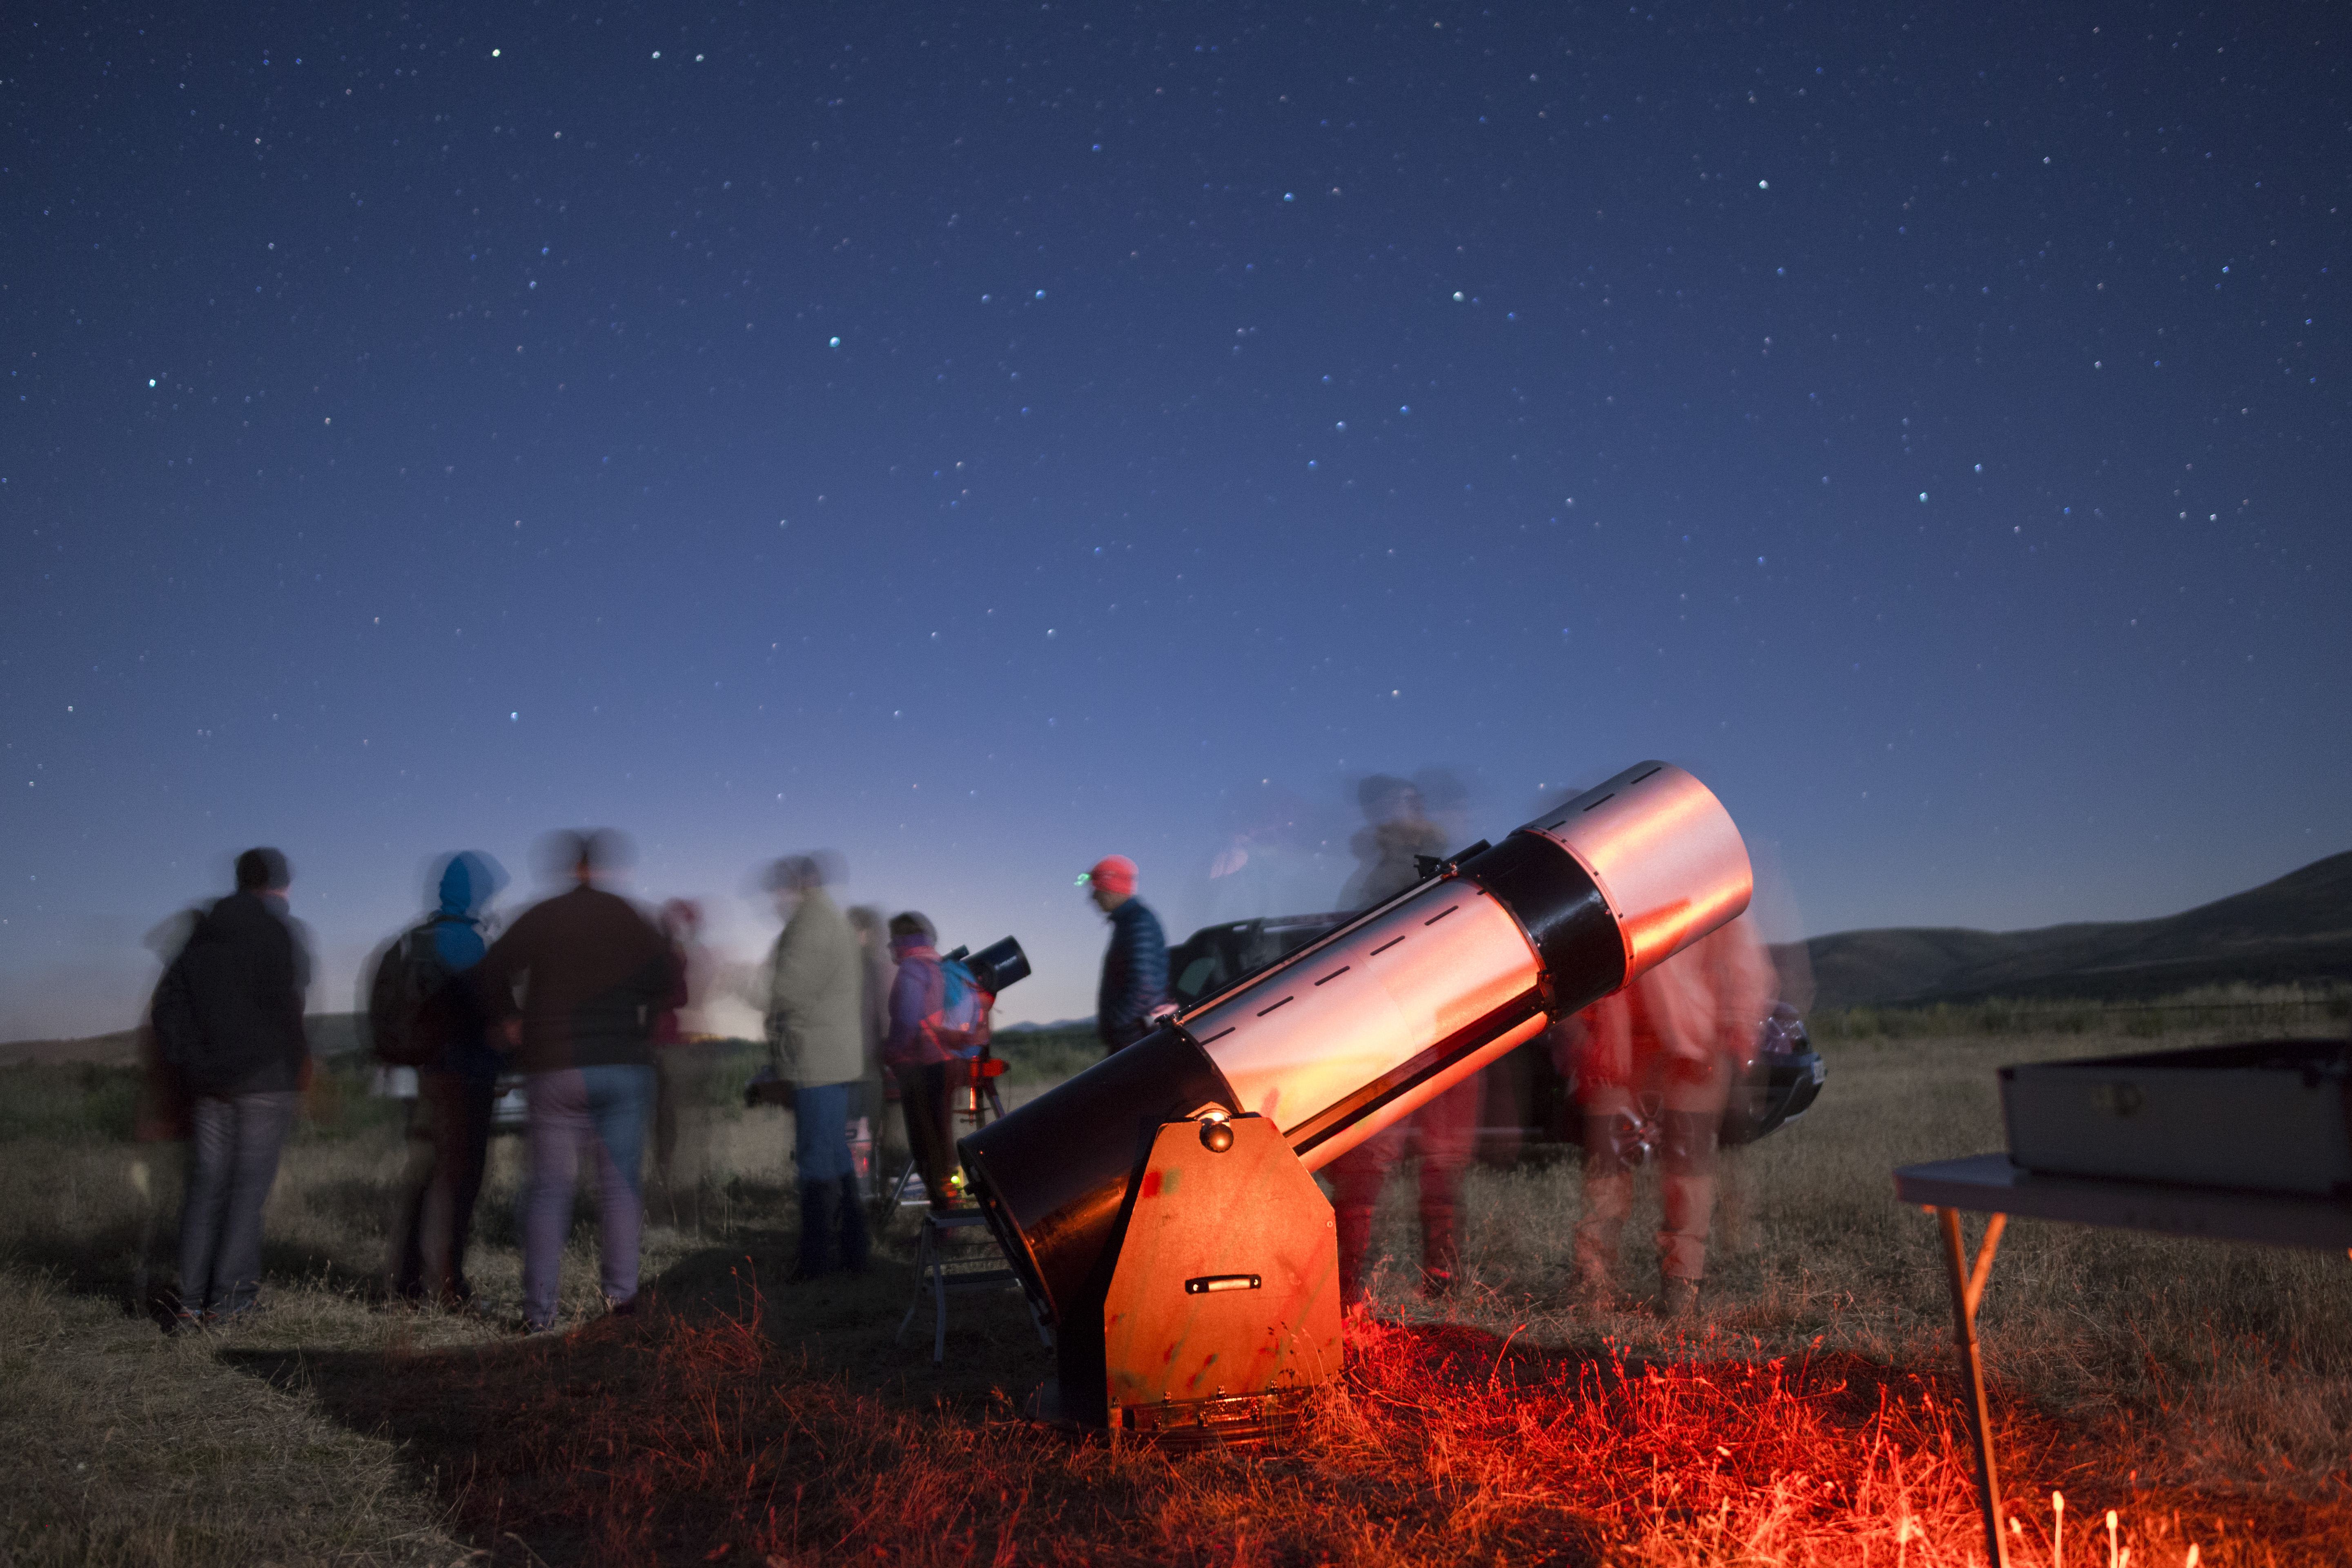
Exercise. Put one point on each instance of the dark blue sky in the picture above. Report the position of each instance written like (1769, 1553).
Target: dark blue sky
(979, 439)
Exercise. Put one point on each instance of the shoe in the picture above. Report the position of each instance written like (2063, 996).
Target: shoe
(183, 1321)
(1678, 1298)
(627, 1309)
(229, 1317)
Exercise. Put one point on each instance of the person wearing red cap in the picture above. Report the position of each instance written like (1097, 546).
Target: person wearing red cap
(1135, 966)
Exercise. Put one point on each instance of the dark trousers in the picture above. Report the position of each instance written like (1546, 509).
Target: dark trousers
(448, 1144)
(931, 1126)
(233, 1145)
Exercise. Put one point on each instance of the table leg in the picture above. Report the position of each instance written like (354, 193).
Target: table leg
(1968, 1287)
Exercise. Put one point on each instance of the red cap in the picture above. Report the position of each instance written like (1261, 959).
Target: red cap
(1113, 874)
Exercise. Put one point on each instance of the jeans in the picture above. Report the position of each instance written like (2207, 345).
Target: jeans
(821, 1131)
(448, 1142)
(605, 1108)
(828, 1179)
(233, 1144)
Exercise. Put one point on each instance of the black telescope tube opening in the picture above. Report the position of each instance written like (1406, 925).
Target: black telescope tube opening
(998, 965)
(1053, 1175)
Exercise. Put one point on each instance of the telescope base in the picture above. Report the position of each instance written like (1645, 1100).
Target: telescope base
(1240, 1421)
(1220, 1314)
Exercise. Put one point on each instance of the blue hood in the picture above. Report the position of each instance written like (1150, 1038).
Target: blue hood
(470, 880)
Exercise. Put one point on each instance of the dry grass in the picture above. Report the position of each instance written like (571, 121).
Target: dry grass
(2204, 1392)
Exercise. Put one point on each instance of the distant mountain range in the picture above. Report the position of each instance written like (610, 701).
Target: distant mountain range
(2295, 930)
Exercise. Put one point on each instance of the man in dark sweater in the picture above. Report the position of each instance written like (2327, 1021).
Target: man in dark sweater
(594, 975)
(228, 1020)
(1135, 966)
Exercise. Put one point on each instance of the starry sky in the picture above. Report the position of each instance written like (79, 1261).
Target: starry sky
(980, 439)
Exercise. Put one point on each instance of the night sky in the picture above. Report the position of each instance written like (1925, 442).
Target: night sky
(979, 439)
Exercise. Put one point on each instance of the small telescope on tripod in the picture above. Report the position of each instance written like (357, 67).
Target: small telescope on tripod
(1160, 1208)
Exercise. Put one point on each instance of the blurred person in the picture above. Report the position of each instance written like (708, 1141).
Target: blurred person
(919, 1058)
(594, 973)
(876, 1090)
(685, 1068)
(449, 1121)
(1442, 1135)
(815, 1033)
(227, 1018)
(1135, 964)
(1397, 830)
(1654, 1066)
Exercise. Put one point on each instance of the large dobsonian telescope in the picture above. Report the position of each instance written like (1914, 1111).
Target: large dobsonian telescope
(1159, 1208)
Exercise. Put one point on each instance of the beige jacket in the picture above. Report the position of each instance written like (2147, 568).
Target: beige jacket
(815, 983)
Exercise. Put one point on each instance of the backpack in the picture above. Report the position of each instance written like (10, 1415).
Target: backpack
(963, 1008)
(409, 1016)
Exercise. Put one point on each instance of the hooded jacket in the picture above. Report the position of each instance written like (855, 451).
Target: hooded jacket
(467, 883)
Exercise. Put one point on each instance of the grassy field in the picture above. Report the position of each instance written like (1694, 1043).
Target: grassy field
(2203, 1392)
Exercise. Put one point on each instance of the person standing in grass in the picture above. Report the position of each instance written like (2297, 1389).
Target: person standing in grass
(449, 1126)
(1135, 966)
(918, 1059)
(229, 1021)
(1654, 1065)
(580, 979)
(815, 986)
(1443, 1136)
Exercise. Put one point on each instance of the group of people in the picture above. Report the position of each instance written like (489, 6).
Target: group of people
(582, 992)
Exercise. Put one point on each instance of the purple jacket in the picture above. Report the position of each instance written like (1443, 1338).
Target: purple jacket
(917, 996)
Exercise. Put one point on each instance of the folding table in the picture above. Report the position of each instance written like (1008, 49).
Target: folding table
(1990, 1184)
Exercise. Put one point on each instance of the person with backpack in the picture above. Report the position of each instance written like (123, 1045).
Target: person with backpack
(593, 975)
(919, 1058)
(227, 1018)
(1135, 966)
(423, 1014)
(815, 985)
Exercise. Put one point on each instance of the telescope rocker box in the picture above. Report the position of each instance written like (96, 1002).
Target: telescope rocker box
(2267, 1116)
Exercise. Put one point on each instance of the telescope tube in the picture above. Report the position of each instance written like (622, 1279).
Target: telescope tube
(1352, 1032)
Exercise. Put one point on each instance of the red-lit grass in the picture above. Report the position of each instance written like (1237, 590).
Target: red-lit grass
(700, 1436)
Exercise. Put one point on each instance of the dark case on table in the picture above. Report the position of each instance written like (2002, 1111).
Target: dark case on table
(2270, 1115)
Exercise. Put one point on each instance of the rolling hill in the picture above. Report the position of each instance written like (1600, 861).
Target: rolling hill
(2294, 930)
